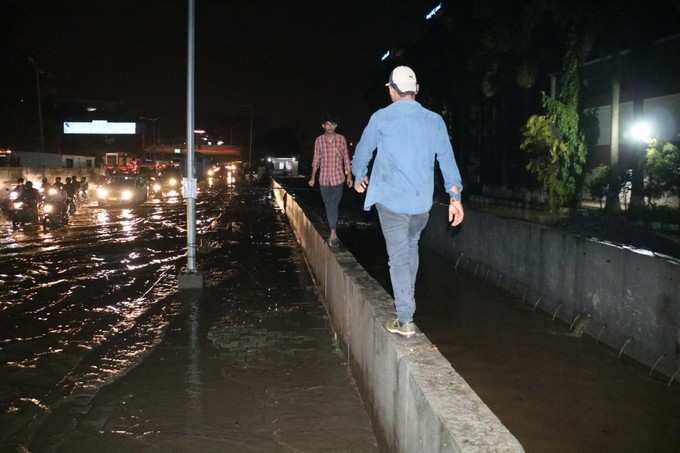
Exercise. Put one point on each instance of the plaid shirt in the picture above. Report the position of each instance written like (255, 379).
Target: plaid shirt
(330, 156)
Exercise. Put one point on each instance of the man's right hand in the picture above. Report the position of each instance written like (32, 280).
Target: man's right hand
(311, 182)
(360, 185)
(456, 213)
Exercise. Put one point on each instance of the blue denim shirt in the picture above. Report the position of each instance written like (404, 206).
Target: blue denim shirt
(408, 138)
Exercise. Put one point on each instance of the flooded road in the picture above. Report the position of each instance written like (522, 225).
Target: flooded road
(82, 306)
(556, 392)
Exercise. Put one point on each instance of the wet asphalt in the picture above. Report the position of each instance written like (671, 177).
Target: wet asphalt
(98, 350)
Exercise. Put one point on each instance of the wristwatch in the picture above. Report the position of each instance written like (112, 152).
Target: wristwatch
(455, 196)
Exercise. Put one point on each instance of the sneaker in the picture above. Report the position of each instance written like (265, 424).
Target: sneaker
(333, 243)
(406, 329)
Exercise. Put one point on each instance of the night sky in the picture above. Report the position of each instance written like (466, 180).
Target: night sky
(291, 60)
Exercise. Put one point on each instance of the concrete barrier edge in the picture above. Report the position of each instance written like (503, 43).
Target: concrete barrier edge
(417, 401)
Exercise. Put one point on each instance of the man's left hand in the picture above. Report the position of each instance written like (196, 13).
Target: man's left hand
(456, 213)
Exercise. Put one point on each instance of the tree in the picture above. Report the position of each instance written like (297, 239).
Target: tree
(663, 170)
(554, 140)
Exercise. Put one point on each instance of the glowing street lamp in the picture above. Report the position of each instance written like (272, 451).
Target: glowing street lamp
(641, 132)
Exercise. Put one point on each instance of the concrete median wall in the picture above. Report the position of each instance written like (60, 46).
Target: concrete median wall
(417, 401)
(631, 297)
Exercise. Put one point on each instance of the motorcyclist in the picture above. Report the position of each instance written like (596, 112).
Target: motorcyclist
(58, 184)
(70, 190)
(76, 184)
(30, 198)
(54, 193)
(84, 186)
(45, 186)
(56, 198)
(19, 187)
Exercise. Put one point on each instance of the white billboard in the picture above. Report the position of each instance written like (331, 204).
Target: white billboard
(99, 127)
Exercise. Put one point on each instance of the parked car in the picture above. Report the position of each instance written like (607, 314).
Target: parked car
(123, 190)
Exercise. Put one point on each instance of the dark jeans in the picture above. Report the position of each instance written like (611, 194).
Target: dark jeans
(402, 233)
(331, 196)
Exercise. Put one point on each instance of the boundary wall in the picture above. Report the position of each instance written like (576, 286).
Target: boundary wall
(628, 299)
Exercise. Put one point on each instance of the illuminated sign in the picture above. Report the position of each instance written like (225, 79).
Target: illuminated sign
(99, 127)
(434, 12)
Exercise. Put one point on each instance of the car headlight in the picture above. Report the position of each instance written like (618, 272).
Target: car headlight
(102, 192)
(126, 195)
(172, 182)
(156, 187)
(48, 208)
(13, 195)
(18, 205)
(211, 172)
(52, 191)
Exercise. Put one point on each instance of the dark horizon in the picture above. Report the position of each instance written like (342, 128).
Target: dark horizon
(291, 62)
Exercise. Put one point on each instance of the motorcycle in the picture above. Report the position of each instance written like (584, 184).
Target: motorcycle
(53, 215)
(54, 210)
(22, 214)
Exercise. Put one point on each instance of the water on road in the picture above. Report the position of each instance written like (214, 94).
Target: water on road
(82, 306)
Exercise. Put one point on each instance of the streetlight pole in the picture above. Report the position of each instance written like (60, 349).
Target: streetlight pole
(250, 142)
(190, 197)
(191, 279)
(40, 116)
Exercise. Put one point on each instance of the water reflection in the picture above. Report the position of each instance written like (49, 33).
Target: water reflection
(102, 218)
(78, 304)
(193, 379)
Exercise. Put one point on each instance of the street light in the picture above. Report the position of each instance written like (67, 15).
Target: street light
(641, 131)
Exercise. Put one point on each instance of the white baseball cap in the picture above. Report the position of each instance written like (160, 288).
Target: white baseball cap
(404, 79)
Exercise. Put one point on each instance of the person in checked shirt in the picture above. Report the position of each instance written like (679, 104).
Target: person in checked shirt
(331, 161)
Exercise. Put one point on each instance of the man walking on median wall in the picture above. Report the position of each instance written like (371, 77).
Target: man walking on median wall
(332, 159)
(408, 139)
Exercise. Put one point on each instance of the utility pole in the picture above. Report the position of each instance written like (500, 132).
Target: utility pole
(250, 142)
(40, 115)
(613, 204)
(191, 279)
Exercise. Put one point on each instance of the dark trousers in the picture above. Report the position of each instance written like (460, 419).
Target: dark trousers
(331, 196)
